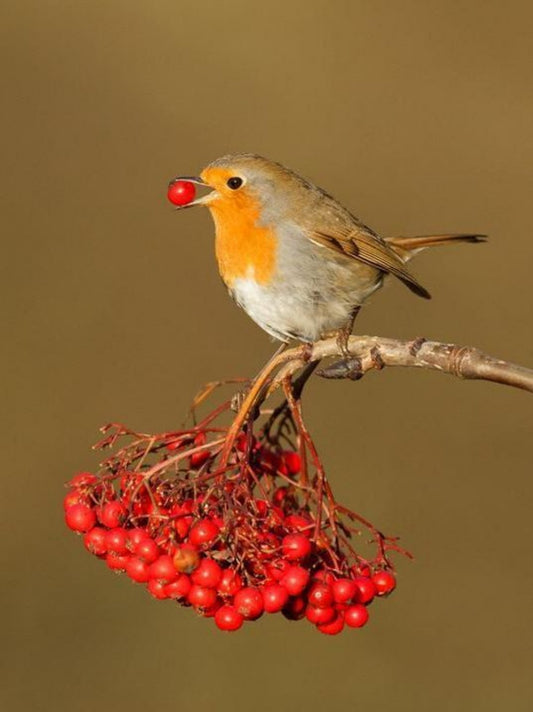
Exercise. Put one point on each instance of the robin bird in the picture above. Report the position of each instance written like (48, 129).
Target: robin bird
(298, 262)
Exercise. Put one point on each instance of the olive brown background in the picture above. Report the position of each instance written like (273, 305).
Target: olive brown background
(417, 116)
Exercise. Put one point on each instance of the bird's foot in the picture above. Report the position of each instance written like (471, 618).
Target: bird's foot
(343, 336)
(416, 345)
(306, 351)
(344, 333)
(347, 368)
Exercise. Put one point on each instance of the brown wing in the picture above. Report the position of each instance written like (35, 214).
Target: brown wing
(367, 247)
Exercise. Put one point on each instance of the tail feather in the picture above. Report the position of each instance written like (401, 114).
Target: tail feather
(406, 247)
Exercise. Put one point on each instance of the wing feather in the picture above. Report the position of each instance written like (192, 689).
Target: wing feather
(367, 247)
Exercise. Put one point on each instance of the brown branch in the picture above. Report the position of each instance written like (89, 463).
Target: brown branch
(368, 353)
(374, 353)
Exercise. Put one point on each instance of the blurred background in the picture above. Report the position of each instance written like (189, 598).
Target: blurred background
(417, 116)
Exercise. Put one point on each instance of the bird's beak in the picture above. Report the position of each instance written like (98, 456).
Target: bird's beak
(203, 199)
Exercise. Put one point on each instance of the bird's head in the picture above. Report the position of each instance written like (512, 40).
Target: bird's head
(245, 183)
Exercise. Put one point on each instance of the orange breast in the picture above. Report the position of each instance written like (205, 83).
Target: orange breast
(243, 248)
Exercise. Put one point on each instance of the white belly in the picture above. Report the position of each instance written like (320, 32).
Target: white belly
(296, 313)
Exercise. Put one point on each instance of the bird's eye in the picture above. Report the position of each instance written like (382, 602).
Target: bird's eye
(234, 183)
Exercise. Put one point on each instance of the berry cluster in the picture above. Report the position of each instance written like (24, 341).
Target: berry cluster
(257, 532)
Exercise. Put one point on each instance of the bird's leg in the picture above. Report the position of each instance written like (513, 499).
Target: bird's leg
(350, 366)
(344, 333)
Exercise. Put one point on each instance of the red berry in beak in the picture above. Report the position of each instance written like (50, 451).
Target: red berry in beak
(181, 192)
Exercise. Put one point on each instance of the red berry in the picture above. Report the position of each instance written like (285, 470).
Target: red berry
(200, 438)
(228, 618)
(80, 518)
(117, 540)
(296, 547)
(210, 612)
(112, 514)
(230, 583)
(344, 590)
(202, 597)
(208, 573)
(186, 507)
(261, 506)
(137, 569)
(75, 497)
(268, 545)
(249, 602)
(367, 589)
(324, 576)
(117, 562)
(164, 539)
(293, 462)
(182, 526)
(242, 442)
(320, 596)
(181, 192)
(277, 569)
(362, 570)
(176, 444)
(295, 580)
(179, 588)
(157, 589)
(299, 523)
(142, 504)
(275, 597)
(295, 608)
(83, 479)
(163, 569)
(384, 582)
(135, 536)
(356, 616)
(319, 616)
(333, 627)
(95, 541)
(197, 459)
(147, 550)
(128, 480)
(186, 558)
(203, 532)
(280, 495)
